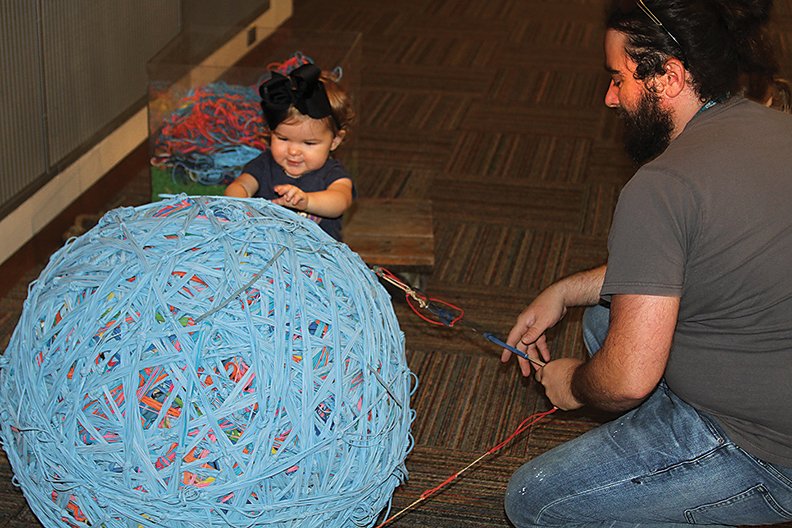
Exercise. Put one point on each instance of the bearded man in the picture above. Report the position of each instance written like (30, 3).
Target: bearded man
(689, 328)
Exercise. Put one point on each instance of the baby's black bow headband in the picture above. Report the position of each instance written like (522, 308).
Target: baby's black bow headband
(302, 88)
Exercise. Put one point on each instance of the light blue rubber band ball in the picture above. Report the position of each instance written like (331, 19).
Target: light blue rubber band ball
(206, 361)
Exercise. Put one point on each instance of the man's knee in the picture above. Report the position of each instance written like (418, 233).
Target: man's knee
(524, 494)
(550, 490)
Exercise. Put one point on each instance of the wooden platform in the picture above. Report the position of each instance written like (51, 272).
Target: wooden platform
(395, 233)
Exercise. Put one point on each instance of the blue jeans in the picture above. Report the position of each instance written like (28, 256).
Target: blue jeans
(661, 464)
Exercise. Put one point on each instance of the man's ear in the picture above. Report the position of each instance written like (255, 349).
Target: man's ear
(338, 139)
(674, 80)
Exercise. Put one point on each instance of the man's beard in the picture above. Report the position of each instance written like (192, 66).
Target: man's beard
(647, 130)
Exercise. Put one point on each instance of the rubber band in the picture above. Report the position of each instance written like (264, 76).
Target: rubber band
(215, 130)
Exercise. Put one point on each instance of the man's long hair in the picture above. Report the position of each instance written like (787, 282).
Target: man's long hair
(722, 43)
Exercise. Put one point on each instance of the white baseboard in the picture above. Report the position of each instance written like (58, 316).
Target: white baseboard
(22, 224)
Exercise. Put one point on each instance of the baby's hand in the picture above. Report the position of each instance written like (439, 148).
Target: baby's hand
(291, 196)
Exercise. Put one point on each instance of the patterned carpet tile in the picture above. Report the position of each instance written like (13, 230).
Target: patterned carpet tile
(505, 117)
(585, 251)
(598, 211)
(607, 163)
(405, 150)
(369, 18)
(11, 306)
(377, 180)
(548, 84)
(579, 30)
(498, 158)
(501, 255)
(462, 79)
(11, 498)
(473, 499)
(423, 113)
(479, 491)
(23, 518)
(610, 132)
(536, 206)
(468, 401)
(460, 50)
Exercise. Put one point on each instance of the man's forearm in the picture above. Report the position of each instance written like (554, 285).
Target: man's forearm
(583, 288)
(633, 359)
(592, 388)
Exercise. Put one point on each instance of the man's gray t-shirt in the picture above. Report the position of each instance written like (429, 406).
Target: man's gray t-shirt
(710, 221)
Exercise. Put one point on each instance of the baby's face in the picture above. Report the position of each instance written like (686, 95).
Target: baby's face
(302, 145)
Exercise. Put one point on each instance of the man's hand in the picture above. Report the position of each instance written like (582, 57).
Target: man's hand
(528, 333)
(556, 377)
(549, 307)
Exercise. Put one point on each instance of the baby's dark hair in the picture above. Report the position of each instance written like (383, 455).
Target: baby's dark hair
(343, 111)
(721, 42)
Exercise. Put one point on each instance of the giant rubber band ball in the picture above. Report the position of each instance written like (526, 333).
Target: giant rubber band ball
(206, 361)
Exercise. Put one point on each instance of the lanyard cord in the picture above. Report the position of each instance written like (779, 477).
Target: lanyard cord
(447, 314)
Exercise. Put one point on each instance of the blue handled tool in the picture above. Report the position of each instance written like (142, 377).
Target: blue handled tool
(451, 319)
(517, 351)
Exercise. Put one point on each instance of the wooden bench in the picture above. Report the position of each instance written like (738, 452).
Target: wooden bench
(395, 233)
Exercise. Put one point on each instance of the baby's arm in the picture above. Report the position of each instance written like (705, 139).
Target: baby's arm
(244, 186)
(330, 203)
